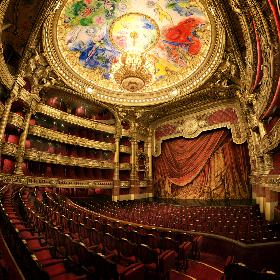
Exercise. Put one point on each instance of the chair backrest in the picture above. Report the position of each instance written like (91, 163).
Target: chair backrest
(152, 241)
(106, 269)
(146, 254)
(168, 243)
(110, 242)
(126, 248)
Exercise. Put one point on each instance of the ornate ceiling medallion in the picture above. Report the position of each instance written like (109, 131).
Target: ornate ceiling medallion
(134, 52)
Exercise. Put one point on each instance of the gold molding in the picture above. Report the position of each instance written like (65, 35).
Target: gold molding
(91, 124)
(81, 85)
(125, 166)
(69, 139)
(35, 155)
(54, 182)
(125, 149)
(268, 181)
(271, 140)
(5, 76)
(9, 149)
(16, 120)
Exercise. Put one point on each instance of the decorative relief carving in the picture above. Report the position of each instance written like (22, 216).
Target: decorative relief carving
(271, 140)
(9, 149)
(125, 149)
(16, 120)
(38, 71)
(55, 113)
(125, 166)
(35, 155)
(69, 139)
(268, 181)
(54, 182)
(191, 126)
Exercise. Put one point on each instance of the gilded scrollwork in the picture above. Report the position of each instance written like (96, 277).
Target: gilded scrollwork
(35, 155)
(16, 120)
(271, 140)
(5, 76)
(9, 149)
(91, 124)
(125, 149)
(69, 139)
(54, 182)
(125, 166)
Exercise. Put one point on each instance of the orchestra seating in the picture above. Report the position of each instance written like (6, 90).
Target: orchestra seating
(243, 223)
(52, 237)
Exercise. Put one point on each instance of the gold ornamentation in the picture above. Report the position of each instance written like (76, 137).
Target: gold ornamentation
(82, 83)
(16, 120)
(54, 182)
(34, 155)
(9, 149)
(5, 75)
(69, 139)
(271, 140)
(125, 166)
(192, 124)
(125, 149)
(57, 114)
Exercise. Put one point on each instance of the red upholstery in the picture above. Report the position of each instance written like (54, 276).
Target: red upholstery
(13, 139)
(8, 166)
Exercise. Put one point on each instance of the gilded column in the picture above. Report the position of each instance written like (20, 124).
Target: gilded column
(116, 179)
(21, 146)
(150, 164)
(133, 159)
(134, 182)
(8, 104)
(22, 139)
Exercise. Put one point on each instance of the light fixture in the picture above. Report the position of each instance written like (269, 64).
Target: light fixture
(134, 72)
(134, 34)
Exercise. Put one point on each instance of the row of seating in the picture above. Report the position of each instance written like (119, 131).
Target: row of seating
(92, 231)
(243, 223)
(119, 249)
(36, 259)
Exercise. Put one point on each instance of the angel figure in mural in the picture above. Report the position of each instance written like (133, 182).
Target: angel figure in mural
(96, 50)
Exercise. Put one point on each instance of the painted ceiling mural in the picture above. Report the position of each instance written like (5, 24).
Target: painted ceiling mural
(173, 35)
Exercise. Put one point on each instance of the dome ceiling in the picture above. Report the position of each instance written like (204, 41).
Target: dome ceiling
(134, 52)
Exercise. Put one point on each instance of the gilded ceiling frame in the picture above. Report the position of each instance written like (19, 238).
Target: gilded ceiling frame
(5, 75)
(80, 87)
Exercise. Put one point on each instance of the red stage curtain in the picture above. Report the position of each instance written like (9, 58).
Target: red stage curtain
(210, 166)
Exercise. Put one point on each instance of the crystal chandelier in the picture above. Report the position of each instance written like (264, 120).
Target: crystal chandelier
(134, 72)
(135, 67)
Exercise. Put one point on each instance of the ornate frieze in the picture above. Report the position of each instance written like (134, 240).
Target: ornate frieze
(54, 182)
(16, 120)
(271, 140)
(124, 184)
(5, 75)
(69, 139)
(143, 184)
(125, 166)
(9, 149)
(268, 181)
(191, 125)
(91, 124)
(35, 155)
(125, 149)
